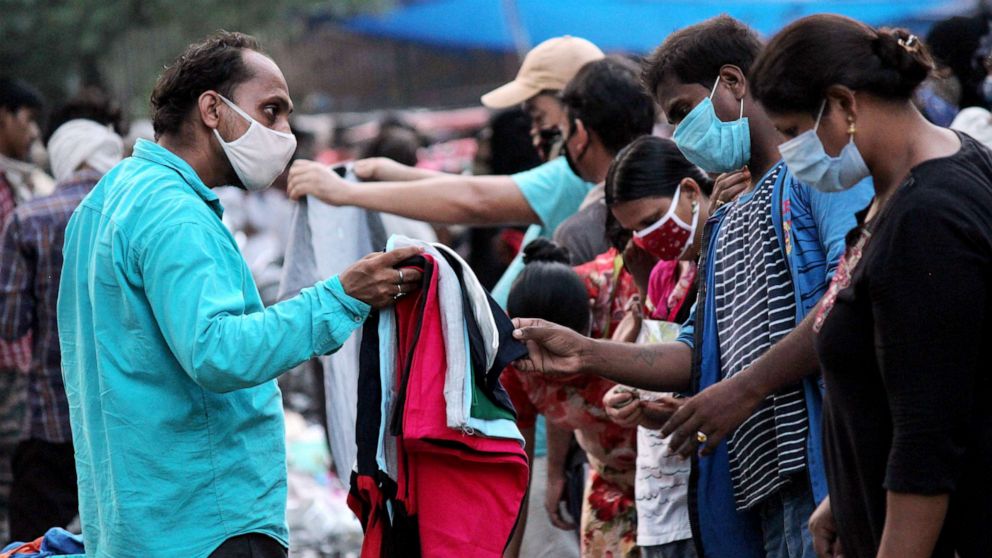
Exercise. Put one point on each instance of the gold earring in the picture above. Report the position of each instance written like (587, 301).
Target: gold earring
(851, 128)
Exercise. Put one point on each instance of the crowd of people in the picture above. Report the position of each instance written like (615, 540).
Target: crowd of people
(752, 288)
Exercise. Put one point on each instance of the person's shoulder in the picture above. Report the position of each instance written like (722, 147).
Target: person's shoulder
(963, 176)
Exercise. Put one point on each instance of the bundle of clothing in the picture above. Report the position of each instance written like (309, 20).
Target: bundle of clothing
(441, 469)
(56, 542)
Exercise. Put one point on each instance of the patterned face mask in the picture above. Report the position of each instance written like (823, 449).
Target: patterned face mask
(669, 237)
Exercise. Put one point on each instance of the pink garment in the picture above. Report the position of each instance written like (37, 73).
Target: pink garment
(668, 287)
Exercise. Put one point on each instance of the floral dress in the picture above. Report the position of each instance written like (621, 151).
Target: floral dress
(609, 517)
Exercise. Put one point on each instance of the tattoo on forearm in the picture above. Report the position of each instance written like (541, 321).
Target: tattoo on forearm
(647, 356)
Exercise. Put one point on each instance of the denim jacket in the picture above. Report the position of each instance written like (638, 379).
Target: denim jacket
(811, 228)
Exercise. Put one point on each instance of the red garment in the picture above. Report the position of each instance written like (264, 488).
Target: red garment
(463, 491)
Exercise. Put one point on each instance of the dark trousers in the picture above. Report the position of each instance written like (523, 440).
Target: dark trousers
(44, 492)
(252, 545)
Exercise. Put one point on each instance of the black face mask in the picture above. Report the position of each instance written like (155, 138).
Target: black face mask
(549, 143)
(571, 160)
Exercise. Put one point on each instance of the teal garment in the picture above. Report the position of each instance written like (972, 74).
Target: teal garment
(169, 360)
(555, 193)
(540, 437)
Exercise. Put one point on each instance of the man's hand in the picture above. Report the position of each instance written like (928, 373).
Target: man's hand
(376, 281)
(553, 498)
(821, 525)
(554, 349)
(728, 186)
(716, 412)
(309, 178)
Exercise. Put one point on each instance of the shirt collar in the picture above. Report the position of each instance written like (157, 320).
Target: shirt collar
(155, 153)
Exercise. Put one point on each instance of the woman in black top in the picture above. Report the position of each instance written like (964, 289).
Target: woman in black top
(902, 331)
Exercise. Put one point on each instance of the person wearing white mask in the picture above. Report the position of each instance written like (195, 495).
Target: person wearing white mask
(169, 357)
(83, 147)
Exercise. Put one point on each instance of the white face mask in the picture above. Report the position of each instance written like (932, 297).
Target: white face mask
(260, 155)
(810, 163)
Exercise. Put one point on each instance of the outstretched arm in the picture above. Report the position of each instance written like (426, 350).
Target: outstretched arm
(558, 350)
(442, 198)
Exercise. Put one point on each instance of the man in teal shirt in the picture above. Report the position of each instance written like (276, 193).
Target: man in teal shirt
(169, 357)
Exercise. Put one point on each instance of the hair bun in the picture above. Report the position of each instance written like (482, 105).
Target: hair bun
(900, 50)
(543, 250)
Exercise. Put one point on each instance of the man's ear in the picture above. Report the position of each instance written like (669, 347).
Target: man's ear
(581, 134)
(733, 77)
(207, 106)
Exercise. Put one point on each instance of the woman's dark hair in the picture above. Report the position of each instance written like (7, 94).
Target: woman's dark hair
(816, 52)
(696, 53)
(215, 64)
(549, 289)
(648, 167)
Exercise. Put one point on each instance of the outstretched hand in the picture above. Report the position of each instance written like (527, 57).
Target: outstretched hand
(553, 349)
(309, 178)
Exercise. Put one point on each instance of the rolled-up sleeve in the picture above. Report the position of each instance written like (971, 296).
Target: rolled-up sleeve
(194, 280)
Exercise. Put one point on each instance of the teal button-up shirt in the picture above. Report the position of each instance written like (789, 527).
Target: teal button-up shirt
(169, 360)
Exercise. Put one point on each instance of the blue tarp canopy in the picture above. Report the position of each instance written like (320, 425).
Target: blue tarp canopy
(617, 25)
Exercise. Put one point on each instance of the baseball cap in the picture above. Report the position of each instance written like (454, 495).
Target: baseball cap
(549, 65)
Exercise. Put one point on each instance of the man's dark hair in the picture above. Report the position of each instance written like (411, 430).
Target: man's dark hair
(16, 94)
(607, 97)
(696, 53)
(214, 64)
(91, 103)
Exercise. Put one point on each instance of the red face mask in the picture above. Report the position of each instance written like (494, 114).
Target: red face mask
(669, 237)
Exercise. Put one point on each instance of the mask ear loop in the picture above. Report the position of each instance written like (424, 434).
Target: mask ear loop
(715, 84)
(692, 229)
(819, 115)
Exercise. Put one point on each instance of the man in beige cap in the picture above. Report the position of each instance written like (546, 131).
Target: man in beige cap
(543, 197)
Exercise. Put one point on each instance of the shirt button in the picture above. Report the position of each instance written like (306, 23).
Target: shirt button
(357, 320)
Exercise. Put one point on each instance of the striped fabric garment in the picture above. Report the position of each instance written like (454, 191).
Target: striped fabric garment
(755, 307)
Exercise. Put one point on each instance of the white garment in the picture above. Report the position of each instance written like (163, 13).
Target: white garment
(976, 122)
(83, 141)
(411, 228)
(662, 479)
(326, 240)
(480, 306)
(19, 175)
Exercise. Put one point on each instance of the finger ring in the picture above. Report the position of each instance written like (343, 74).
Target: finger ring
(401, 275)
(397, 296)
(399, 289)
(720, 203)
(701, 438)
